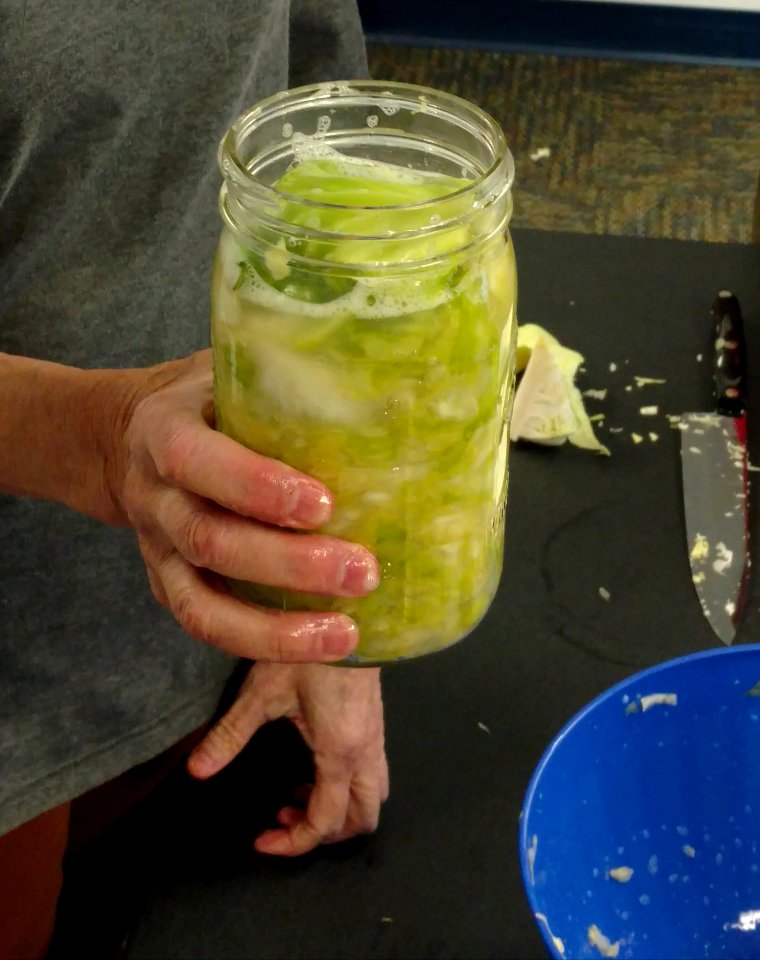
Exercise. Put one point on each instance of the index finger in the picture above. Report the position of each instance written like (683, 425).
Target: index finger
(193, 456)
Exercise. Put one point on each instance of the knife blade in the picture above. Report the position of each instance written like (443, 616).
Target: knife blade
(715, 484)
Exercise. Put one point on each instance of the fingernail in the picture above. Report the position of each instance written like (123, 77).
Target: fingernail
(360, 574)
(312, 506)
(339, 636)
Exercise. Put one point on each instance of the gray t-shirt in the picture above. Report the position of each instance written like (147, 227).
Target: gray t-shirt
(110, 116)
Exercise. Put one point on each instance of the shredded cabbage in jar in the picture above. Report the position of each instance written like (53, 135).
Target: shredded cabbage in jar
(392, 389)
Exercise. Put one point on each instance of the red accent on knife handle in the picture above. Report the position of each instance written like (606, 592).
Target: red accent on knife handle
(730, 368)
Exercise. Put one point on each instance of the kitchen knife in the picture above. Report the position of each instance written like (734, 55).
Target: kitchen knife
(715, 487)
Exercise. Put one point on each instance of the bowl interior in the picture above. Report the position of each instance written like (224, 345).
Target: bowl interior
(640, 835)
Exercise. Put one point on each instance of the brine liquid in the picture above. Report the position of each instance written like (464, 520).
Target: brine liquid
(394, 391)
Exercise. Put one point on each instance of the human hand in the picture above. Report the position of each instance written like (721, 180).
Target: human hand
(204, 507)
(339, 713)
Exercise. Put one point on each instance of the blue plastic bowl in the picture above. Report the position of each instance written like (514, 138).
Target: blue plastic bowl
(660, 776)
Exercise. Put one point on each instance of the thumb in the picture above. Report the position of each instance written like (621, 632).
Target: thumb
(229, 735)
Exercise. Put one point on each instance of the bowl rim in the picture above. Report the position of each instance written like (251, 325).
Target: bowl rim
(745, 649)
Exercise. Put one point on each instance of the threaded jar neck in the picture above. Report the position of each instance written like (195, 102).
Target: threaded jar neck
(408, 138)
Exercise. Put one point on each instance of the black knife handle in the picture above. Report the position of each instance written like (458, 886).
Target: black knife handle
(730, 367)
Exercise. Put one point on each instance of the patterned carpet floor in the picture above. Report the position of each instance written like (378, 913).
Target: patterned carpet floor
(642, 149)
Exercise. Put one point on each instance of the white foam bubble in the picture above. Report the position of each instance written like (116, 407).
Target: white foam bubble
(306, 148)
(328, 89)
(371, 299)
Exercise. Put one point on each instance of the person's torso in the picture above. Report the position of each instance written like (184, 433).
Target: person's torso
(109, 119)
(110, 116)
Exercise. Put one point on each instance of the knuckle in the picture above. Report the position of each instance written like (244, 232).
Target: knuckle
(201, 538)
(149, 558)
(189, 614)
(281, 650)
(227, 736)
(175, 450)
(135, 427)
(353, 745)
(281, 644)
(133, 496)
(313, 834)
(155, 556)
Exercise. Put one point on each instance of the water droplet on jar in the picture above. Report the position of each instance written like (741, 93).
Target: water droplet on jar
(287, 129)
(372, 120)
(323, 125)
(435, 218)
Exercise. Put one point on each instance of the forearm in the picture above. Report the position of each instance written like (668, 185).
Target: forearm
(61, 430)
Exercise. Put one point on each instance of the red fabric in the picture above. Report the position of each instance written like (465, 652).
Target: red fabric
(31, 877)
(31, 856)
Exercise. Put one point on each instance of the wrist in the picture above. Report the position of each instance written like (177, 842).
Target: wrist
(63, 431)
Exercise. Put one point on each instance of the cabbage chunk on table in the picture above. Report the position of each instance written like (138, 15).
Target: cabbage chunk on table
(548, 407)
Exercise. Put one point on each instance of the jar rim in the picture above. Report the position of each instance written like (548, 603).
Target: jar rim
(501, 169)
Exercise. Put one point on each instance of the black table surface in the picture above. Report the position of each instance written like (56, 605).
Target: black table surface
(466, 728)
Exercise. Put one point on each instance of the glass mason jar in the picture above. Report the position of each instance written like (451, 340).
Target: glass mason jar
(363, 330)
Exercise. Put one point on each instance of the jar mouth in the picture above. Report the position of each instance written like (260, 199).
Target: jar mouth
(243, 172)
